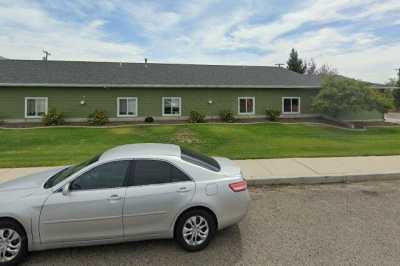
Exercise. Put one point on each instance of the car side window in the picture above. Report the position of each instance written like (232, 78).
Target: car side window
(151, 172)
(177, 175)
(108, 175)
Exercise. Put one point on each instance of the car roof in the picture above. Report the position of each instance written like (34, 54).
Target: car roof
(141, 150)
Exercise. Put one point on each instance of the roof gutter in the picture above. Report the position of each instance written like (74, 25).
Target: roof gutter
(66, 85)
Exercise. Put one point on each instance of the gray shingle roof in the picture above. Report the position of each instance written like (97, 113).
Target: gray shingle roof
(96, 74)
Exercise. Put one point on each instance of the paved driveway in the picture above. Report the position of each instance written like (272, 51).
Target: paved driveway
(345, 224)
(393, 117)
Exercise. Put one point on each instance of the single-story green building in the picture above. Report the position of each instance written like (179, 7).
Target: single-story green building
(133, 91)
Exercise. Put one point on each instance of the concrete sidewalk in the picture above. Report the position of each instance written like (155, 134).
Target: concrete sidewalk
(292, 170)
(320, 170)
(11, 173)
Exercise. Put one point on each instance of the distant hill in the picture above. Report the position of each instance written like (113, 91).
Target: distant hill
(2, 58)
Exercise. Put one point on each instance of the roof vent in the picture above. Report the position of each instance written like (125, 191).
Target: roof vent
(145, 62)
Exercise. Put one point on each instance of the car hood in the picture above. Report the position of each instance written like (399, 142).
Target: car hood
(228, 167)
(28, 182)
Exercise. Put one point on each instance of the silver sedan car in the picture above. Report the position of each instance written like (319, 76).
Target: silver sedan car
(131, 192)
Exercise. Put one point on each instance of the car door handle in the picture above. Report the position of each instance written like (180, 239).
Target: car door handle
(183, 189)
(114, 198)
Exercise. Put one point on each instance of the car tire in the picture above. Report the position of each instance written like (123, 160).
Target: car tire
(195, 229)
(12, 235)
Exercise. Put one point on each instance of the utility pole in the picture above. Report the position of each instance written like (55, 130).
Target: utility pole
(46, 55)
(279, 65)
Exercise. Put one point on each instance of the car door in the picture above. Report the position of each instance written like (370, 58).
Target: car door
(92, 210)
(155, 194)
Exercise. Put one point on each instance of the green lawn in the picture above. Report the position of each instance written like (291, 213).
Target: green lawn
(59, 146)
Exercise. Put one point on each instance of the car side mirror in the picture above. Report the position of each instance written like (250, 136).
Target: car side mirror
(65, 190)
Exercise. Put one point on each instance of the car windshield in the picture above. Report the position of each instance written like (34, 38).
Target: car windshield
(67, 172)
(200, 159)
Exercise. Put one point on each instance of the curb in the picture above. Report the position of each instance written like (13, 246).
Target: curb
(187, 123)
(316, 180)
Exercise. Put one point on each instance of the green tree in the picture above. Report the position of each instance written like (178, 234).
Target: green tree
(396, 96)
(327, 70)
(398, 78)
(295, 63)
(340, 95)
(391, 82)
(311, 67)
(396, 92)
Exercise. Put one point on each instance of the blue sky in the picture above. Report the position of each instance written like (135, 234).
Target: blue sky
(358, 37)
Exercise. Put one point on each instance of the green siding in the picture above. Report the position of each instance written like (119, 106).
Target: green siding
(67, 100)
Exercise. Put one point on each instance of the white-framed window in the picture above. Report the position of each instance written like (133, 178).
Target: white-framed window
(291, 105)
(171, 106)
(35, 107)
(127, 106)
(246, 105)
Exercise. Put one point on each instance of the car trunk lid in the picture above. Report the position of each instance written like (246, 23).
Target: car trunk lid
(228, 167)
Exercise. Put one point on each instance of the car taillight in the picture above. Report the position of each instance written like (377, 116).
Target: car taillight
(238, 186)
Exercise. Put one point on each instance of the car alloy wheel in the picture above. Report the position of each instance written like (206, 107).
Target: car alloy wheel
(195, 230)
(10, 244)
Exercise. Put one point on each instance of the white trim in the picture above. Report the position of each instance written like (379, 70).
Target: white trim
(291, 105)
(35, 98)
(127, 98)
(171, 97)
(246, 98)
(110, 85)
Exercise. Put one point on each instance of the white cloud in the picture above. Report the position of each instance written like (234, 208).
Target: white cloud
(207, 31)
(26, 30)
(374, 64)
(151, 18)
(378, 9)
(343, 47)
(318, 11)
(366, 59)
(214, 34)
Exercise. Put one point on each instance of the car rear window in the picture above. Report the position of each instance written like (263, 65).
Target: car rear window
(200, 159)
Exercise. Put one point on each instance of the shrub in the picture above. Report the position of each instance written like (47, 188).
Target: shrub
(149, 119)
(342, 95)
(98, 118)
(53, 118)
(227, 116)
(273, 115)
(396, 97)
(196, 117)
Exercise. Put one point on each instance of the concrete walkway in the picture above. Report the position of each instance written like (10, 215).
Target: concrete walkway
(320, 170)
(11, 173)
(292, 170)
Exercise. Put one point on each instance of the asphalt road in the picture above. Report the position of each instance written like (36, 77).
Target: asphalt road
(343, 224)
